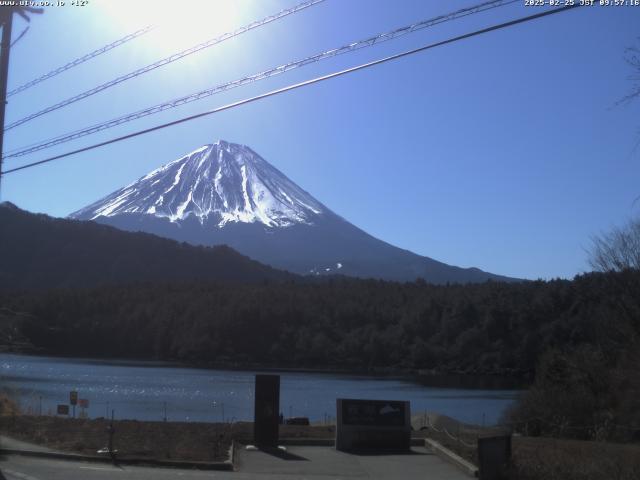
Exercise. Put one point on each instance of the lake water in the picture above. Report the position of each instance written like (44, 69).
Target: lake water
(141, 390)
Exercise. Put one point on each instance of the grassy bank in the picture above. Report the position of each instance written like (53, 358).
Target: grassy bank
(155, 440)
(543, 458)
(7, 405)
(560, 459)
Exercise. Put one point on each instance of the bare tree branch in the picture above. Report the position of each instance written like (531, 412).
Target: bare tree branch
(632, 57)
(617, 250)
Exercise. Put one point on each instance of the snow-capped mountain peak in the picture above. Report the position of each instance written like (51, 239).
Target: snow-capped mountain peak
(224, 182)
(226, 193)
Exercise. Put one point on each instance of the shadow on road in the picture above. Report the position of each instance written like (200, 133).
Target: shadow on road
(378, 453)
(283, 454)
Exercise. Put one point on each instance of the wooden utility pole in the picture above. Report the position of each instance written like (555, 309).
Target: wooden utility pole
(6, 20)
(6, 17)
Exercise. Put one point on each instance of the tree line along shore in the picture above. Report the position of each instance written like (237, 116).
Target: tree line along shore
(575, 340)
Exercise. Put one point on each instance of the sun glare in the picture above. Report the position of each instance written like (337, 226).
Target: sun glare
(179, 24)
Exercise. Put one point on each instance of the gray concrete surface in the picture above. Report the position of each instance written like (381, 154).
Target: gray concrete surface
(297, 462)
(13, 444)
(326, 462)
(16, 467)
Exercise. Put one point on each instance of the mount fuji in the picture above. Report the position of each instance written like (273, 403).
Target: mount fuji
(225, 193)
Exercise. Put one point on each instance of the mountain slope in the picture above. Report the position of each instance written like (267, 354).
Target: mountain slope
(221, 183)
(39, 251)
(226, 193)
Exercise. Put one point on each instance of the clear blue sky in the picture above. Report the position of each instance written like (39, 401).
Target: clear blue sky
(504, 152)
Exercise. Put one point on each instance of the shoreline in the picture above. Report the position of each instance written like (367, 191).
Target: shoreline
(518, 380)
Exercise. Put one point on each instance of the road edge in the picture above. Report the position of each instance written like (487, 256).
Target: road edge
(226, 465)
(451, 457)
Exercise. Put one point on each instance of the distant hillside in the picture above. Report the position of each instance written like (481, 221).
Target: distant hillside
(227, 194)
(38, 251)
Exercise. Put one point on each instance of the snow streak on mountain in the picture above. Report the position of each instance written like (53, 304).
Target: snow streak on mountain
(224, 182)
(226, 193)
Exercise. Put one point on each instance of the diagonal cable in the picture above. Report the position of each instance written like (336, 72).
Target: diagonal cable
(368, 42)
(80, 60)
(165, 61)
(296, 86)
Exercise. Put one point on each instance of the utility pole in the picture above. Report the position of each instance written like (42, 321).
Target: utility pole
(6, 17)
(6, 20)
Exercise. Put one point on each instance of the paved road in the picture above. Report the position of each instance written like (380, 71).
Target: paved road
(16, 467)
(327, 463)
(13, 444)
(317, 463)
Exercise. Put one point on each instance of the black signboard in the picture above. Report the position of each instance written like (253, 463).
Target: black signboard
(267, 410)
(63, 409)
(373, 425)
(373, 412)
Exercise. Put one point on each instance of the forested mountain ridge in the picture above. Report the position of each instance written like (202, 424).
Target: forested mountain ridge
(39, 251)
(347, 323)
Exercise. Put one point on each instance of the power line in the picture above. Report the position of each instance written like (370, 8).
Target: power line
(368, 42)
(298, 85)
(6, 20)
(80, 60)
(165, 61)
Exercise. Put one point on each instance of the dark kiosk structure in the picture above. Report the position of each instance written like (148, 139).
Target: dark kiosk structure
(382, 425)
(267, 411)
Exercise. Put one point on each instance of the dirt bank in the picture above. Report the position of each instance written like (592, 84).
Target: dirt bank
(158, 440)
